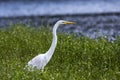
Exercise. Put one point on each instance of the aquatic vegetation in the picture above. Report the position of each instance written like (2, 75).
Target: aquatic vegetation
(75, 58)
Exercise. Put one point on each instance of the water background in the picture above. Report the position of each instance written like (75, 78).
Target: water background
(14, 8)
(94, 18)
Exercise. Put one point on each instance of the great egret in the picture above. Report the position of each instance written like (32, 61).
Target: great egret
(40, 61)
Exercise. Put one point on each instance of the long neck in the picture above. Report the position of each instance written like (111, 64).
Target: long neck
(54, 42)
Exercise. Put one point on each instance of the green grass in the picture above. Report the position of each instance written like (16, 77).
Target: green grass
(75, 58)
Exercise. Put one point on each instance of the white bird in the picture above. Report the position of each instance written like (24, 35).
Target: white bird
(40, 61)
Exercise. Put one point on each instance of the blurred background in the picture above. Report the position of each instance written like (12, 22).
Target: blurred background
(94, 17)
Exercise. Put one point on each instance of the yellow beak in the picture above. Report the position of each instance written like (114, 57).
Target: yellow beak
(68, 22)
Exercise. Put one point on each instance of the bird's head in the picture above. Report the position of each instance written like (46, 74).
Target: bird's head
(65, 22)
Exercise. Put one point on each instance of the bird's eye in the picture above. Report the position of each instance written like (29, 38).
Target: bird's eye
(63, 22)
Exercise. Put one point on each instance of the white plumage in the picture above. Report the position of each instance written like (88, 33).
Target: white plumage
(40, 61)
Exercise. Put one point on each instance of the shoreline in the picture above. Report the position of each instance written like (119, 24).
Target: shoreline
(87, 24)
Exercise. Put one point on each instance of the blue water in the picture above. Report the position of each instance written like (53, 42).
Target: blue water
(55, 7)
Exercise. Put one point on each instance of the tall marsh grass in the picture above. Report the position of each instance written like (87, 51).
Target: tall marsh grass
(75, 58)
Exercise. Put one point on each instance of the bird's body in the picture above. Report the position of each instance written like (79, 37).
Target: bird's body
(40, 61)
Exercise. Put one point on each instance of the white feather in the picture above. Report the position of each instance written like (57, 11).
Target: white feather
(40, 61)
